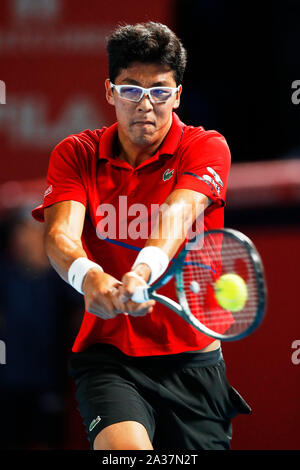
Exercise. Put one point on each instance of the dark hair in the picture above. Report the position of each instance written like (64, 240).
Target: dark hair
(148, 43)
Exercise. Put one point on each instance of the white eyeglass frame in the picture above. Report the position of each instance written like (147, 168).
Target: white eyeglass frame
(146, 91)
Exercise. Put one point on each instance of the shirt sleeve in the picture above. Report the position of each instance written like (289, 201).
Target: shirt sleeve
(205, 164)
(65, 177)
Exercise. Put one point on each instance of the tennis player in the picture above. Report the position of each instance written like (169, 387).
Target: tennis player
(119, 204)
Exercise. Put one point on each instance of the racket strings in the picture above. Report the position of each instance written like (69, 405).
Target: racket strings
(220, 254)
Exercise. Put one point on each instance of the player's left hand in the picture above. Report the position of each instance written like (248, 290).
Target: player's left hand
(130, 281)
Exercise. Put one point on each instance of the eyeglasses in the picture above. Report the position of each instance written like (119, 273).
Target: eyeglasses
(157, 94)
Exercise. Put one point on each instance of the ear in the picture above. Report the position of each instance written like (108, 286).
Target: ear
(109, 92)
(177, 101)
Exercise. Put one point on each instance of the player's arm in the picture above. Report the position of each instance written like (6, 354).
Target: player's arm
(63, 229)
(181, 209)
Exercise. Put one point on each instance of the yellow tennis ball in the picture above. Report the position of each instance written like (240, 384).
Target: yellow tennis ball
(231, 292)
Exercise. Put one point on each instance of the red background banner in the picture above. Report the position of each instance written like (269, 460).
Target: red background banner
(53, 62)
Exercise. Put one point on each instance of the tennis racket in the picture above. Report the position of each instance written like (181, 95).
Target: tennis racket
(200, 270)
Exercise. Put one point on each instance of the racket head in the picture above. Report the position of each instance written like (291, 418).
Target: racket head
(218, 252)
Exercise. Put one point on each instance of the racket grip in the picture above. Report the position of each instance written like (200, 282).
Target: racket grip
(140, 295)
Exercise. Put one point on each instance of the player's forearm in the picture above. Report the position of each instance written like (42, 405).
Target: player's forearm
(168, 235)
(62, 251)
(170, 231)
(63, 229)
(179, 212)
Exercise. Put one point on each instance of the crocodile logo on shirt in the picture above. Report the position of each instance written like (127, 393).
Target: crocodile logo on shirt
(168, 174)
(94, 423)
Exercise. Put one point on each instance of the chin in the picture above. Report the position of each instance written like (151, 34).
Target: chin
(143, 139)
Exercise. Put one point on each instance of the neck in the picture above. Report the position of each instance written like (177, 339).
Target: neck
(135, 155)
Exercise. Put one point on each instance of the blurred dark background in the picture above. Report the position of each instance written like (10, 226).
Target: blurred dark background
(241, 79)
(242, 61)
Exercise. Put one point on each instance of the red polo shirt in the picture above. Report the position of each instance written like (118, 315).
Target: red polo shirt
(120, 202)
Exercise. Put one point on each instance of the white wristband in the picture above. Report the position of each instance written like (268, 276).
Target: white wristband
(155, 258)
(78, 270)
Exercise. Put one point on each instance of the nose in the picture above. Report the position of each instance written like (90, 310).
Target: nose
(145, 103)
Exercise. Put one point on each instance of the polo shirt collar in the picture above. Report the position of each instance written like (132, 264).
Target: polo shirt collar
(168, 146)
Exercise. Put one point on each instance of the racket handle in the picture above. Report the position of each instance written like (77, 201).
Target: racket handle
(140, 295)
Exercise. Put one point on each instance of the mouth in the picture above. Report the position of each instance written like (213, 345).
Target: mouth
(143, 123)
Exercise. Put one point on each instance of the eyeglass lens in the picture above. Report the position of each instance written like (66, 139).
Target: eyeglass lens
(134, 94)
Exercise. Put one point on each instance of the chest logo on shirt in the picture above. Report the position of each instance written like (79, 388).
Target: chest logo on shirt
(168, 174)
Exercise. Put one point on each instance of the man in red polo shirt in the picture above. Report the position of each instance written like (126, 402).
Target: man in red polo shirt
(140, 370)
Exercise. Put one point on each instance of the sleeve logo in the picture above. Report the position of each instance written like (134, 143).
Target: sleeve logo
(212, 181)
(215, 175)
(48, 190)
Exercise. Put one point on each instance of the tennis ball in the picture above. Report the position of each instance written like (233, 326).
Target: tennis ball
(231, 292)
(194, 286)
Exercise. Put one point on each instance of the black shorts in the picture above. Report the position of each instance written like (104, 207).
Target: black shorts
(183, 400)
